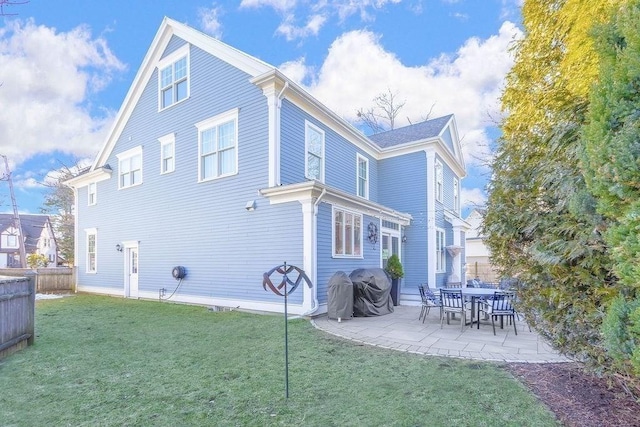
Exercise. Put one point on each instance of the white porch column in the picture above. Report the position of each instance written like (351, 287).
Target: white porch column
(431, 219)
(309, 253)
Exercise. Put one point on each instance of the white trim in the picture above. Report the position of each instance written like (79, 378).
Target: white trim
(95, 194)
(247, 63)
(360, 157)
(438, 176)
(91, 232)
(169, 61)
(169, 139)
(215, 122)
(443, 268)
(313, 189)
(335, 208)
(101, 174)
(310, 126)
(129, 154)
(270, 307)
(456, 195)
(431, 218)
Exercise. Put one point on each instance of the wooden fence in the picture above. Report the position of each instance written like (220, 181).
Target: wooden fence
(17, 313)
(47, 280)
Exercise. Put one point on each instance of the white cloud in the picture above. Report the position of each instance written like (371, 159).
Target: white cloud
(293, 32)
(316, 14)
(296, 70)
(467, 83)
(47, 79)
(472, 197)
(210, 20)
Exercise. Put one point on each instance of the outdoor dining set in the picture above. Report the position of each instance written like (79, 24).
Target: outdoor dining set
(478, 299)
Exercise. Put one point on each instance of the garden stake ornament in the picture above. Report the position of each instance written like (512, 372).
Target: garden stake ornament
(283, 291)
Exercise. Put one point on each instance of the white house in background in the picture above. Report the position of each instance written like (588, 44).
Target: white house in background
(478, 256)
(38, 238)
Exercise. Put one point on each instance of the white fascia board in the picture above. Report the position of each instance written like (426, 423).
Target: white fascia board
(101, 174)
(427, 145)
(315, 190)
(168, 28)
(241, 60)
(303, 100)
(456, 221)
(456, 140)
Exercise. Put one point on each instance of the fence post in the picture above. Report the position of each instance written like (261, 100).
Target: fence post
(31, 276)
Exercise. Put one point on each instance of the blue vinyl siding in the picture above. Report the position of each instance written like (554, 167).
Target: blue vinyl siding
(178, 221)
(340, 155)
(402, 185)
(327, 265)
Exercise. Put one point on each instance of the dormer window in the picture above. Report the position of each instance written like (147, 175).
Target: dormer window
(173, 78)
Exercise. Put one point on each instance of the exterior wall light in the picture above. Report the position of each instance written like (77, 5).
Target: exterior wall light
(251, 205)
(119, 247)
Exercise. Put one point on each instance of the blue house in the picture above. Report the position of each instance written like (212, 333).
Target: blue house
(220, 164)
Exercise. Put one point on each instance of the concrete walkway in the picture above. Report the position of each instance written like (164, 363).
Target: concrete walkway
(401, 330)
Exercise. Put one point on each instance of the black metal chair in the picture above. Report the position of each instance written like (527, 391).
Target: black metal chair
(452, 303)
(429, 299)
(501, 305)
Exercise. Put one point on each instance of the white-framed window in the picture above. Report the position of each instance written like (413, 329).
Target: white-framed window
(440, 250)
(347, 234)
(456, 195)
(130, 168)
(314, 152)
(363, 176)
(438, 178)
(9, 238)
(92, 250)
(167, 153)
(12, 241)
(92, 193)
(173, 78)
(218, 146)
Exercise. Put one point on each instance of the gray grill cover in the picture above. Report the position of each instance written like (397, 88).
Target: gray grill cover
(372, 292)
(340, 296)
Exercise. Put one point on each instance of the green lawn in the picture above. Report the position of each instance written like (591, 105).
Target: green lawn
(101, 361)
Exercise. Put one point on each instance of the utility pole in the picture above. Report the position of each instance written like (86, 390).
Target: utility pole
(16, 215)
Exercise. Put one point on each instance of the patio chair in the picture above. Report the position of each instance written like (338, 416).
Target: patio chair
(501, 305)
(452, 303)
(429, 299)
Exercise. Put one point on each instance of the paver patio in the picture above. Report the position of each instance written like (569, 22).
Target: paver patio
(401, 330)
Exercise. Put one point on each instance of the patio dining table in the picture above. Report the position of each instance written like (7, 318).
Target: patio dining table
(473, 295)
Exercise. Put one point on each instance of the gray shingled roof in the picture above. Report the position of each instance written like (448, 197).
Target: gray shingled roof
(417, 132)
(32, 226)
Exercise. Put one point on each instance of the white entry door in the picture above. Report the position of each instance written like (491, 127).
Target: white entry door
(131, 273)
(390, 246)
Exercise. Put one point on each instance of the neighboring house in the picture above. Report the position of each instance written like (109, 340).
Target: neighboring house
(219, 163)
(38, 238)
(478, 260)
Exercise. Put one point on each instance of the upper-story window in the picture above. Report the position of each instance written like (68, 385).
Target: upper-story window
(363, 176)
(438, 178)
(347, 234)
(456, 194)
(440, 250)
(92, 193)
(9, 238)
(167, 153)
(130, 168)
(314, 151)
(218, 146)
(173, 79)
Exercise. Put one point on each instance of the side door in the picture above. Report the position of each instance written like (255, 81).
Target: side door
(131, 272)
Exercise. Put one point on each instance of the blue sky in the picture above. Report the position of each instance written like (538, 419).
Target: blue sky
(66, 66)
